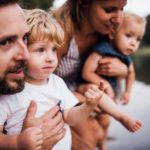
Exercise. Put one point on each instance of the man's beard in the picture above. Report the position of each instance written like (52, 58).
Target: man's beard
(6, 87)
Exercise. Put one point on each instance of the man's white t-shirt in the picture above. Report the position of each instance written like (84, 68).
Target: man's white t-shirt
(13, 107)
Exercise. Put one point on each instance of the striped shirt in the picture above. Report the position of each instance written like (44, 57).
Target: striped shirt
(69, 66)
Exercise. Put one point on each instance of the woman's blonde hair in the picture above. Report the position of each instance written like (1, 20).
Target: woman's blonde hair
(43, 26)
(72, 14)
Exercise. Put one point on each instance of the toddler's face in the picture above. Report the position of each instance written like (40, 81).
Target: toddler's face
(128, 37)
(42, 61)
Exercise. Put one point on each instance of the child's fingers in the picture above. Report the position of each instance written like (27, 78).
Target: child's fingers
(94, 92)
(102, 85)
(89, 95)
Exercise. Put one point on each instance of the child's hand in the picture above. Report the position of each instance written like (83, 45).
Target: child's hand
(93, 96)
(31, 139)
(106, 87)
(125, 98)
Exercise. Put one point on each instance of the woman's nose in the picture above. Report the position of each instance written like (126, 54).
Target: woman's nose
(117, 17)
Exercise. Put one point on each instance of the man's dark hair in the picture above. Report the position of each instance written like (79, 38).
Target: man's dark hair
(6, 2)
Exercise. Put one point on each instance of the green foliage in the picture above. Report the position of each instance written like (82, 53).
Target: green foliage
(142, 62)
(146, 38)
(43, 4)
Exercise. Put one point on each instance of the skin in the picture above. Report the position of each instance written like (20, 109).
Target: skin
(129, 37)
(13, 52)
(13, 41)
(42, 62)
(127, 40)
(103, 16)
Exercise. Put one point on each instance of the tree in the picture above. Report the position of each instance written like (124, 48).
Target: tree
(43, 4)
(146, 39)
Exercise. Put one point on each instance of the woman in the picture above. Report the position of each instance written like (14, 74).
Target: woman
(85, 23)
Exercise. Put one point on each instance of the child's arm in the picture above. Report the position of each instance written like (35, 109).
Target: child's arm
(129, 82)
(76, 114)
(94, 96)
(89, 73)
(89, 69)
(29, 139)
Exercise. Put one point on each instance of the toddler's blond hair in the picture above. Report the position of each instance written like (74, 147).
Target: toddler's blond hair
(43, 26)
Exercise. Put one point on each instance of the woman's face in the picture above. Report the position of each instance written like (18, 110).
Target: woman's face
(105, 15)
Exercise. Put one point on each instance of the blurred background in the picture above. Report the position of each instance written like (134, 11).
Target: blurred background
(139, 106)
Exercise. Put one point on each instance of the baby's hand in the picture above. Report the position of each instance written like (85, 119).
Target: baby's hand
(93, 96)
(106, 87)
(125, 98)
(31, 139)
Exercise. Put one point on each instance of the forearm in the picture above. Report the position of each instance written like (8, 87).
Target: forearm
(89, 72)
(8, 142)
(129, 81)
(76, 114)
(92, 77)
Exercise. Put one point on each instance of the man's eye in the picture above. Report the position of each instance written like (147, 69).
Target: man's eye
(6, 42)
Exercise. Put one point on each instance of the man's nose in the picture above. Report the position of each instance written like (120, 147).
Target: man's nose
(22, 51)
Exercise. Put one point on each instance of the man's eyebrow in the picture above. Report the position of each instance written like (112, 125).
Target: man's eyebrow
(8, 37)
(13, 36)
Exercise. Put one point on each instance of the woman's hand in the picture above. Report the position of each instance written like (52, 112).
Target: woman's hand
(110, 66)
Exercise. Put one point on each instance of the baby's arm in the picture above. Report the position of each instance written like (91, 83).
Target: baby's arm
(29, 139)
(89, 69)
(89, 73)
(129, 82)
(77, 114)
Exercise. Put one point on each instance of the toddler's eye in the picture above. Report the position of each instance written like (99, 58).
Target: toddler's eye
(128, 35)
(54, 49)
(40, 50)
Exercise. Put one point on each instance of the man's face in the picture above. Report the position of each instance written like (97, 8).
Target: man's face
(13, 49)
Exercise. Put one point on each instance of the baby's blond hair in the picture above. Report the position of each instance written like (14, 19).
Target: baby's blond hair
(43, 26)
(129, 16)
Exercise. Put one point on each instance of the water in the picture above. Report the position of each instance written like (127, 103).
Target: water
(139, 107)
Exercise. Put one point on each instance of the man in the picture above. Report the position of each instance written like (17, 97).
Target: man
(13, 53)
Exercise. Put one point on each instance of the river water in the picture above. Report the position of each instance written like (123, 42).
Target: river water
(139, 107)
